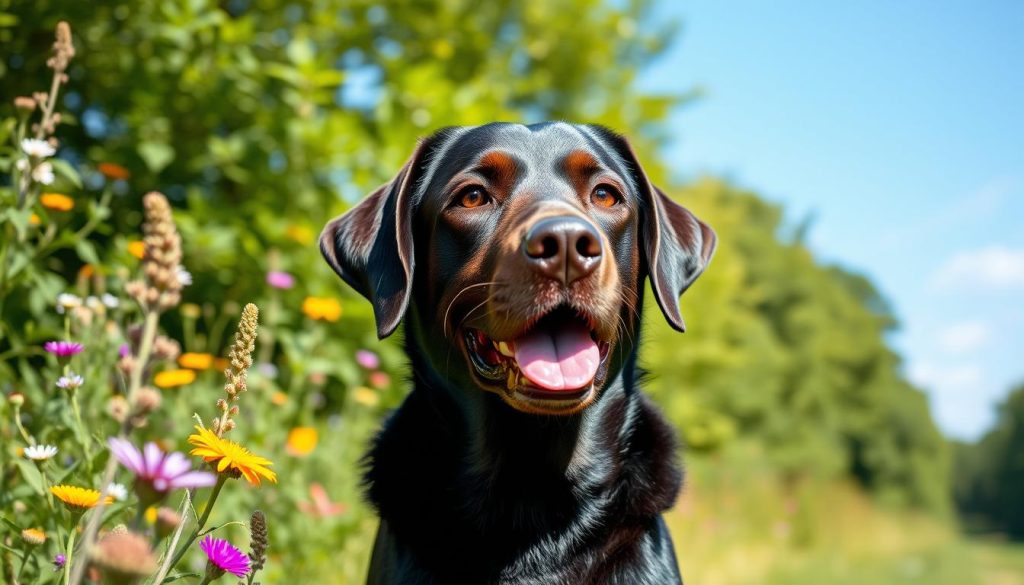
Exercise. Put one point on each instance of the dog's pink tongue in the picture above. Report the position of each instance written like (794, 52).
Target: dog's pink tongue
(565, 358)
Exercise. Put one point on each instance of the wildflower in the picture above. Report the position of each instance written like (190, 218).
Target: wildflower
(278, 398)
(174, 378)
(267, 370)
(113, 171)
(156, 472)
(147, 400)
(70, 381)
(86, 271)
(117, 408)
(165, 348)
(124, 557)
(137, 249)
(278, 279)
(78, 498)
(237, 372)
(196, 361)
(117, 491)
(58, 562)
(365, 396)
(161, 289)
(34, 219)
(16, 399)
(184, 276)
(379, 380)
(56, 201)
(67, 301)
(258, 540)
(63, 349)
(40, 452)
(37, 148)
(110, 301)
(301, 441)
(150, 515)
(367, 359)
(228, 456)
(24, 103)
(321, 506)
(319, 308)
(43, 173)
(33, 536)
(223, 558)
(299, 233)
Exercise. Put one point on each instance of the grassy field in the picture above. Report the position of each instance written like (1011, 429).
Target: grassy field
(739, 524)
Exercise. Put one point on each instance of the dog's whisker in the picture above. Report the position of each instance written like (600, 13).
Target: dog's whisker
(444, 322)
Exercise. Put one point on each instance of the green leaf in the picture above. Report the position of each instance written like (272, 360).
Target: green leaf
(177, 576)
(31, 474)
(64, 169)
(87, 252)
(156, 155)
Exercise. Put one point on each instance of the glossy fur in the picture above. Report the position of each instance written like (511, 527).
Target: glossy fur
(474, 485)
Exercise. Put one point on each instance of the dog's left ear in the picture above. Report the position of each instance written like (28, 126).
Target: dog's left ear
(371, 246)
(677, 246)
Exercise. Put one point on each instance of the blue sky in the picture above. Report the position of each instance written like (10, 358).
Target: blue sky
(900, 125)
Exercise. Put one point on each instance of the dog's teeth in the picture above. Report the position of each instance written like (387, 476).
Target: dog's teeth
(504, 349)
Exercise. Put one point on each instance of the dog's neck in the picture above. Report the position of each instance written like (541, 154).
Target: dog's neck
(476, 470)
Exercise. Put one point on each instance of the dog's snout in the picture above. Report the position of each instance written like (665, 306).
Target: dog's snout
(563, 248)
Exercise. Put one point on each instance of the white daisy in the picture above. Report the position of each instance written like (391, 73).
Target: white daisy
(43, 173)
(66, 301)
(184, 276)
(37, 148)
(40, 452)
(118, 491)
(71, 381)
(110, 301)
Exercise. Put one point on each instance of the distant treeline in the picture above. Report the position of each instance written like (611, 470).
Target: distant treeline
(989, 474)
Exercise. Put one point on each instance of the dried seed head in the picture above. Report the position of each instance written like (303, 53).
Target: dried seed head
(165, 348)
(240, 360)
(25, 103)
(124, 557)
(162, 258)
(147, 400)
(259, 540)
(117, 408)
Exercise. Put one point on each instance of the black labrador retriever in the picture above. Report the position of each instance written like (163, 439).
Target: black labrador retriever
(525, 453)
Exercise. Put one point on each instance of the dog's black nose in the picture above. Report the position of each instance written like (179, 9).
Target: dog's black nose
(563, 248)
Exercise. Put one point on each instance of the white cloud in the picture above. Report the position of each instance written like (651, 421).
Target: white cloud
(964, 337)
(946, 379)
(994, 267)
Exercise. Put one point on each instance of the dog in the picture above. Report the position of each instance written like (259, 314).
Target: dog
(516, 258)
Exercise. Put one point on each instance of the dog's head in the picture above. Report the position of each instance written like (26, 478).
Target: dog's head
(518, 255)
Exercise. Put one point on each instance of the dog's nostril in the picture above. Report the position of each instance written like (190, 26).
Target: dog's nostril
(541, 248)
(588, 247)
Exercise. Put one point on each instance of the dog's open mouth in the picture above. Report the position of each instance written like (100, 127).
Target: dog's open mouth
(556, 359)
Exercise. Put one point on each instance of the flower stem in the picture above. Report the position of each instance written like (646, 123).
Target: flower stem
(69, 553)
(83, 436)
(221, 479)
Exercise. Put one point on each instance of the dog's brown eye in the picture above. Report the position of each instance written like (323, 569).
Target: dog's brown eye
(605, 197)
(473, 197)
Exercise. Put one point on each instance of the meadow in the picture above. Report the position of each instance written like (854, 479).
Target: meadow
(186, 389)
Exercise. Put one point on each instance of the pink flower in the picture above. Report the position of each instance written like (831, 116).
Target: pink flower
(162, 471)
(380, 380)
(223, 558)
(63, 348)
(278, 279)
(367, 359)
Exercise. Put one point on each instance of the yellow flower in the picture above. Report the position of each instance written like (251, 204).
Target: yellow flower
(365, 396)
(33, 536)
(78, 498)
(227, 455)
(113, 171)
(57, 202)
(278, 398)
(174, 378)
(137, 249)
(299, 233)
(302, 441)
(34, 220)
(196, 361)
(322, 308)
(151, 515)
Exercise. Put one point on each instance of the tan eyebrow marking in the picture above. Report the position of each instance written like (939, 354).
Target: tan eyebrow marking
(499, 168)
(580, 165)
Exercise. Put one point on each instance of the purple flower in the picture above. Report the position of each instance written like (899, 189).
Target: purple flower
(124, 351)
(163, 472)
(223, 558)
(63, 348)
(367, 359)
(58, 562)
(278, 279)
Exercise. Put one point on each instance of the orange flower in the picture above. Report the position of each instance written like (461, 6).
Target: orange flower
(86, 271)
(137, 249)
(78, 498)
(196, 361)
(321, 308)
(57, 202)
(113, 171)
(301, 441)
(174, 378)
(278, 398)
(221, 363)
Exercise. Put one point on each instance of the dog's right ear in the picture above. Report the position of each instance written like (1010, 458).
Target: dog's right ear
(371, 246)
